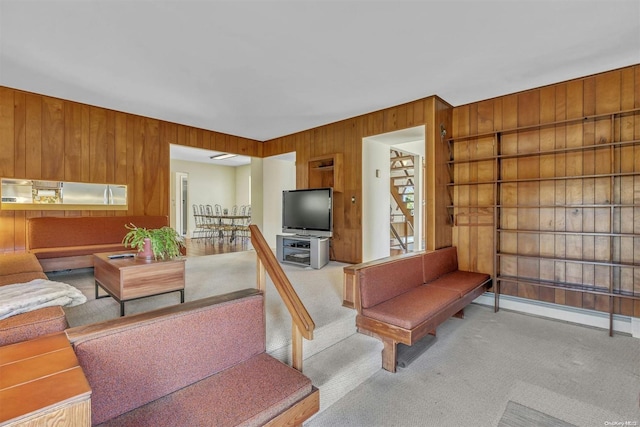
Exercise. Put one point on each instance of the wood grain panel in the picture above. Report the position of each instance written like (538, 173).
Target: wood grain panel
(604, 93)
(7, 164)
(73, 144)
(43, 137)
(346, 137)
(7, 123)
(53, 139)
(120, 149)
(97, 145)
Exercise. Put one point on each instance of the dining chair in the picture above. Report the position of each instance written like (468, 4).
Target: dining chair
(199, 230)
(211, 223)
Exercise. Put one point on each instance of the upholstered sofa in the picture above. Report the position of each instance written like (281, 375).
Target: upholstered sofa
(22, 268)
(401, 300)
(201, 363)
(62, 243)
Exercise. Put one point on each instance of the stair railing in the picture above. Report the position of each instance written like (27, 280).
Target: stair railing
(407, 231)
(302, 324)
(397, 237)
(401, 204)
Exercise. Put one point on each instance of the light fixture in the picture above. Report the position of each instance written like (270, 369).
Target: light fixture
(222, 156)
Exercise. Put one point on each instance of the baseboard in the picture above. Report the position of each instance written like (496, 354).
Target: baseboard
(623, 324)
(635, 327)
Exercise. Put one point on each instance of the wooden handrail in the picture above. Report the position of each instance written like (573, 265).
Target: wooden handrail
(302, 323)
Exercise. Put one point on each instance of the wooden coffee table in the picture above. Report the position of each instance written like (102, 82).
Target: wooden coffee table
(130, 278)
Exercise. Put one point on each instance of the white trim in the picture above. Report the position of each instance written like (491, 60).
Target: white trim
(635, 327)
(621, 324)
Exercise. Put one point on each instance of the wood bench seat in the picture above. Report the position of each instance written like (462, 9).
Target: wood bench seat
(63, 243)
(402, 299)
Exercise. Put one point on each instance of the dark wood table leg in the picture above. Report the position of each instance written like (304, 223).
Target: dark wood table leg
(97, 290)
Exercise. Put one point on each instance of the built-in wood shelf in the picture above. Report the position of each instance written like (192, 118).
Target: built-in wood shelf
(326, 171)
(503, 177)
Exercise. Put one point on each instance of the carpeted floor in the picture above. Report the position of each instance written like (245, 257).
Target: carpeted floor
(320, 290)
(493, 369)
(489, 369)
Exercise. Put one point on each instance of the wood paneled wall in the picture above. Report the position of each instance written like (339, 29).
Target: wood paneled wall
(53, 139)
(49, 138)
(609, 92)
(346, 137)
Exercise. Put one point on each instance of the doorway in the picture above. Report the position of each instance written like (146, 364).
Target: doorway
(377, 183)
(182, 204)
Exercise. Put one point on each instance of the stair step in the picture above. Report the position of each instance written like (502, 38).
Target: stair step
(323, 337)
(342, 367)
(396, 158)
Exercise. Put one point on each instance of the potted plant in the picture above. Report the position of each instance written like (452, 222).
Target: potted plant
(159, 243)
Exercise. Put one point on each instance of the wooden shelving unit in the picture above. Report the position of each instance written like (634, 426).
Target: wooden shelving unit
(326, 171)
(563, 218)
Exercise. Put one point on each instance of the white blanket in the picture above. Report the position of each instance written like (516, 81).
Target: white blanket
(22, 297)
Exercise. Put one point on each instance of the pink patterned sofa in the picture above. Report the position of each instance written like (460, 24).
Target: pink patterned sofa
(22, 268)
(402, 299)
(201, 363)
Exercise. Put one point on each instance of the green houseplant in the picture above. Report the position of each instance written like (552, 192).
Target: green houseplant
(165, 242)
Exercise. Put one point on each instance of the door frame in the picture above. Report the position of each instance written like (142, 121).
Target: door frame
(182, 204)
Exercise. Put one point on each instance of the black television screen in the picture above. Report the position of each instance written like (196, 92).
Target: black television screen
(307, 212)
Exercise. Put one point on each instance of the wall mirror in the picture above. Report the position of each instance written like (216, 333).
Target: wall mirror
(33, 194)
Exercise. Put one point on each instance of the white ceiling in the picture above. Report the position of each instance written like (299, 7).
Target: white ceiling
(264, 69)
(192, 154)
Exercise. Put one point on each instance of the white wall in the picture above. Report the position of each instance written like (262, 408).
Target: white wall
(243, 185)
(257, 204)
(259, 184)
(208, 184)
(278, 175)
(376, 200)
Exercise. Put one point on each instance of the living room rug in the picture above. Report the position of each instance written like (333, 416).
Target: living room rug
(517, 415)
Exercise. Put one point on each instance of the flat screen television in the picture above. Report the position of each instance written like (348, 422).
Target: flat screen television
(308, 212)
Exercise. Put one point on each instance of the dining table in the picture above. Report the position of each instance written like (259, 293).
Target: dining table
(221, 223)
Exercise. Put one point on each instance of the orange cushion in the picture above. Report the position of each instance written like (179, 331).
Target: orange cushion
(19, 268)
(61, 232)
(462, 282)
(414, 307)
(439, 262)
(381, 282)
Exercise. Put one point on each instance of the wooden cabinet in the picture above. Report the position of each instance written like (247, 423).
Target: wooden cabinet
(326, 171)
(562, 211)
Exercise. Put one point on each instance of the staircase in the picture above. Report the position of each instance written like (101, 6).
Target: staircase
(402, 192)
(338, 359)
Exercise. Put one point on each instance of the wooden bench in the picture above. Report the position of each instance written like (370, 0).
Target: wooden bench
(402, 299)
(63, 243)
(351, 276)
(199, 363)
